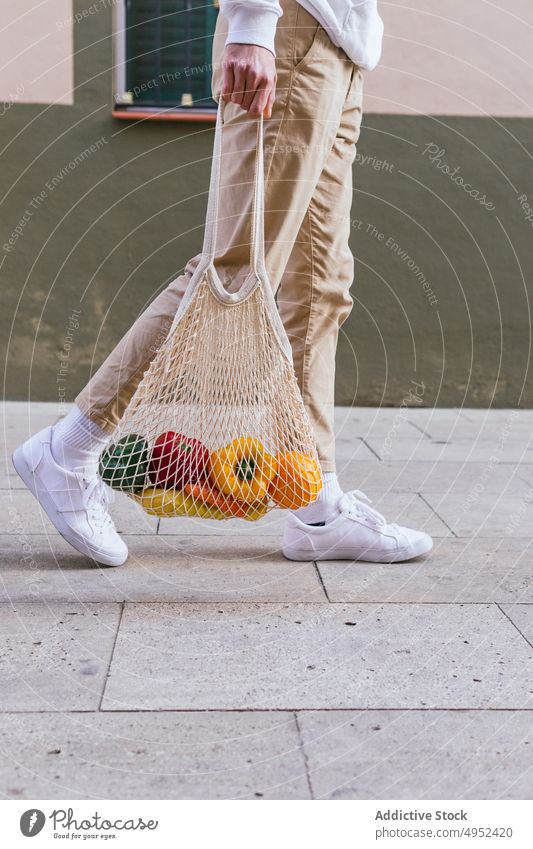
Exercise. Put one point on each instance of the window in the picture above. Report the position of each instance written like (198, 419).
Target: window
(163, 58)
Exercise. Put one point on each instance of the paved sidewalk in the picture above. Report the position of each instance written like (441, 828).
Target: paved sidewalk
(210, 667)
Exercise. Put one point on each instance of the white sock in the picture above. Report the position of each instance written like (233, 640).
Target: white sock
(324, 508)
(77, 441)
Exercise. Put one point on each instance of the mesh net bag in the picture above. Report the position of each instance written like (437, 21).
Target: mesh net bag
(217, 428)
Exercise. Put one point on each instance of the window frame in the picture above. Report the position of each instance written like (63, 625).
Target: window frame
(123, 106)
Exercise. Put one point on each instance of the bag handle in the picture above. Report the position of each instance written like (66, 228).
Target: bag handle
(257, 246)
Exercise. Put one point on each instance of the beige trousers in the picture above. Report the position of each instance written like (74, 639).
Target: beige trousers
(309, 150)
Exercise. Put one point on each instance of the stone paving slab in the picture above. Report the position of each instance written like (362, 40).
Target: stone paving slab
(473, 414)
(9, 478)
(270, 525)
(379, 478)
(442, 451)
(27, 417)
(18, 421)
(457, 570)
(227, 656)
(485, 515)
(419, 754)
(30, 408)
(522, 616)
(349, 446)
(431, 418)
(500, 432)
(405, 427)
(397, 426)
(18, 413)
(411, 510)
(130, 518)
(55, 656)
(369, 416)
(441, 428)
(406, 508)
(168, 568)
(13, 434)
(151, 756)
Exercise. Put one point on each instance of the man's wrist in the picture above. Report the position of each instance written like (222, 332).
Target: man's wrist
(253, 27)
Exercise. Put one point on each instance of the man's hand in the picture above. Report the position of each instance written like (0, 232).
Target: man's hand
(249, 78)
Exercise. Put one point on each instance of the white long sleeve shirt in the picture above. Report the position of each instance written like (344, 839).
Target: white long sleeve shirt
(353, 25)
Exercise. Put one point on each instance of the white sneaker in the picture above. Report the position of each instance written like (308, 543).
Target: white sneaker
(74, 501)
(358, 532)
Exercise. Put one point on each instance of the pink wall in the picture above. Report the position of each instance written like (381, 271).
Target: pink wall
(36, 61)
(455, 57)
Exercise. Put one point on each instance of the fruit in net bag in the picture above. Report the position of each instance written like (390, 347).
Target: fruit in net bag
(171, 502)
(297, 482)
(124, 464)
(243, 469)
(177, 460)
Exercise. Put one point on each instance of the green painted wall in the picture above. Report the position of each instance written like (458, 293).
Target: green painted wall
(101, 239)
(473, 345)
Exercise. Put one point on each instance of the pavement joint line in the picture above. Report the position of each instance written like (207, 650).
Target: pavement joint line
(322, 584)
(420, 429)
(248, 602)
(122, 607)
(58, 537)
(292, 710)
(500, 608)
(304, 754)
(260, 603)
(437, 514)
(363, 440)
(474, 537)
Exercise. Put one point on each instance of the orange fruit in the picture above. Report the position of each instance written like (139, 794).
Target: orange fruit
(297, 482)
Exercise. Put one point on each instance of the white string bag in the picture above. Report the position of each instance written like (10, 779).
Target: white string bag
(217, 427)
